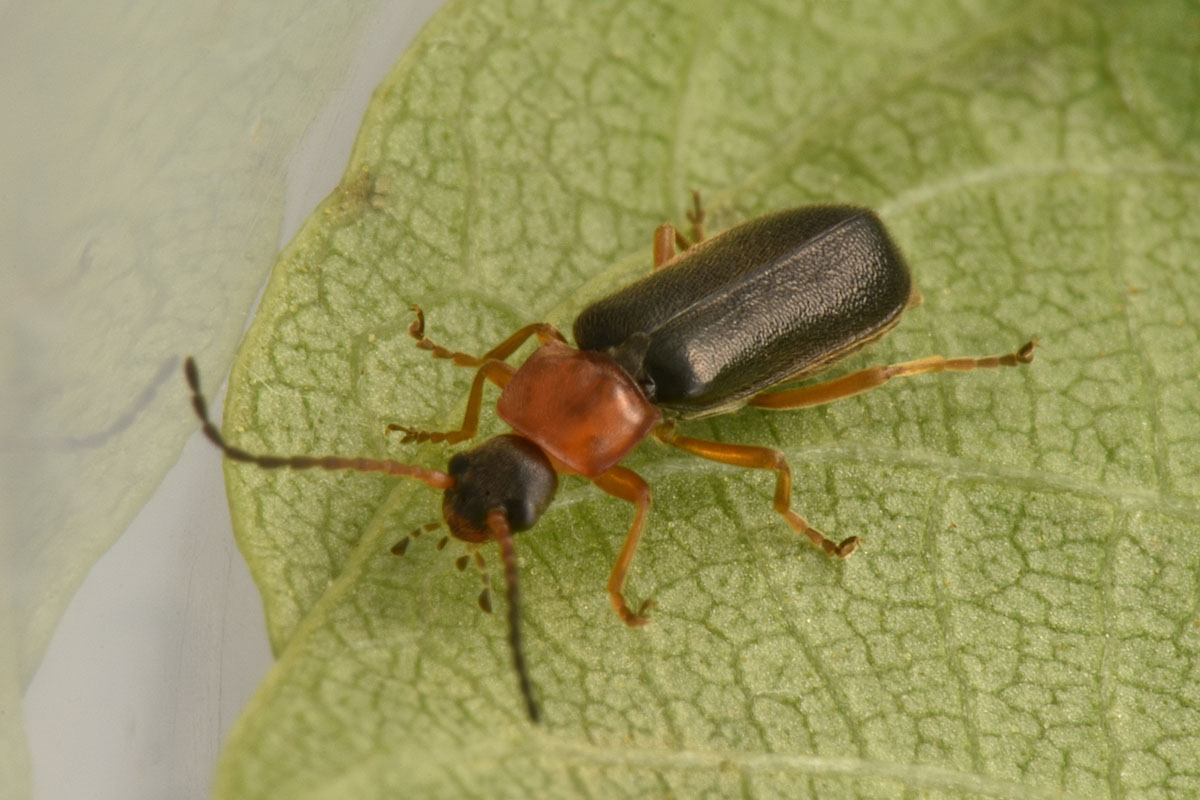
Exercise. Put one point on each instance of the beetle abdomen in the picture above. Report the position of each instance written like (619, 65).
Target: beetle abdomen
(775, 298)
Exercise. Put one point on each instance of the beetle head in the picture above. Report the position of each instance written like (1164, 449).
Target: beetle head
(509, 473)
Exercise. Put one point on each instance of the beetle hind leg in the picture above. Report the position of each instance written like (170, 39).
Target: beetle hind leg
(667, 237)
(752, 457)
(873, 377)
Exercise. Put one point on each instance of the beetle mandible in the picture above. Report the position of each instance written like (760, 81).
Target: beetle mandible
(712, 328)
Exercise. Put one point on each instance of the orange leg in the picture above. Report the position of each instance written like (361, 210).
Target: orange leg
(667, 238)
(626, 485)
(498, 372)
(543, 330)
(743, 455)
(867, 379)
(491, 367)
(664, 244)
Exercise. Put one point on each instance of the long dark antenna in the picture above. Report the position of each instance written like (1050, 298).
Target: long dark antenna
(430, 477)
(498, 524)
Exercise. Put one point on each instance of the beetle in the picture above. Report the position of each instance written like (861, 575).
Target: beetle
(713, 327)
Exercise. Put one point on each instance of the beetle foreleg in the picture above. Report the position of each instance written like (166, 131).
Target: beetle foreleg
(543, 330)
(498, 372)
(752, 457)
(872, 377)
(626, 485)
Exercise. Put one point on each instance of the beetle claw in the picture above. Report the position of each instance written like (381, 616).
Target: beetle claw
(410, 434)
(847, 546)
(630, 618)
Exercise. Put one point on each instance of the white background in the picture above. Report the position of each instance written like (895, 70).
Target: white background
(164, 642)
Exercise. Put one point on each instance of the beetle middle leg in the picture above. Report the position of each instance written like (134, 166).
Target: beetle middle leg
(626, 485)
(872, 377)
(750, 456)
(498, 372)
(667, 237)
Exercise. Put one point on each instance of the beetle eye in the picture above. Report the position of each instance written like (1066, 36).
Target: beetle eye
(522, 514)
(458, 466)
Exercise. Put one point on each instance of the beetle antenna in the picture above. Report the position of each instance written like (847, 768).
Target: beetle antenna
(399, 547)
(430, 477)
(498, 524)
(485, 596)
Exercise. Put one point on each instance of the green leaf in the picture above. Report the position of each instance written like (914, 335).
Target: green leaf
(1022, 619)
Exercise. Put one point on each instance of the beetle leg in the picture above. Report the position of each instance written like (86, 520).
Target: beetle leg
(543, 330)
(627, 485)
(752, 457)
(498, 372)
(867, 379)
(696, 217)
(667, 237)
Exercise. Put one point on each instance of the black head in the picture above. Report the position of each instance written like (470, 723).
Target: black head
(508, 473)
(500, 487)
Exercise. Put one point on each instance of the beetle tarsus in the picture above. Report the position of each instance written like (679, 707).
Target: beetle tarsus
(846, 546)
(417, 328)
(841, 549)
(414, 435)
(417, 331)
(629, 617)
